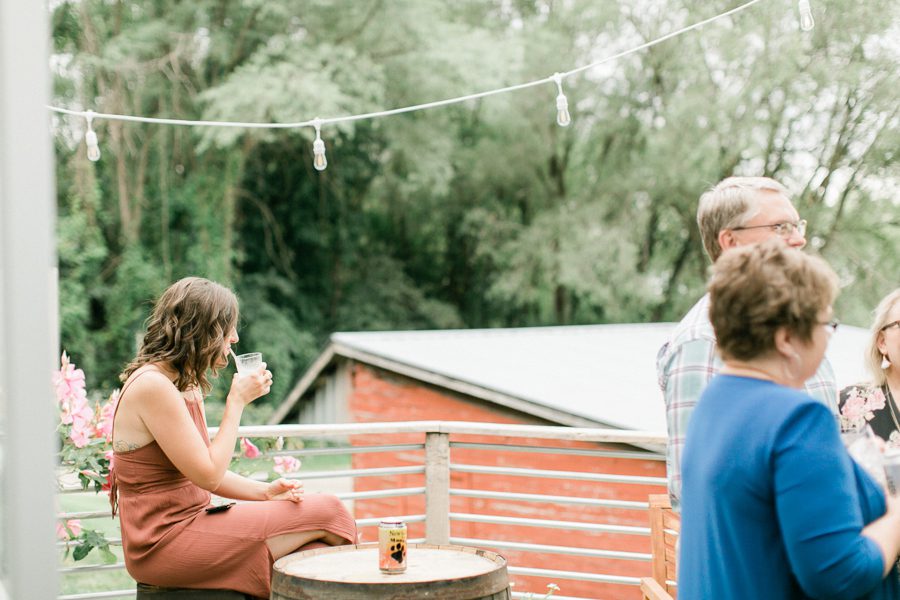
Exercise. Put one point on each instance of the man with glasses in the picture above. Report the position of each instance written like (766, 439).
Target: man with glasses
(735, 212)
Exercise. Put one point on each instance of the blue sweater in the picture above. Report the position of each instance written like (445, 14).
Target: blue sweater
(772, 505)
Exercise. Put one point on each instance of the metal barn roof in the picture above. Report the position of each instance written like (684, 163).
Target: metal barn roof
(577, 375)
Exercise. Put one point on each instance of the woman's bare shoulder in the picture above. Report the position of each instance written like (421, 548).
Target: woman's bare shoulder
(149, 380)
(147, 393)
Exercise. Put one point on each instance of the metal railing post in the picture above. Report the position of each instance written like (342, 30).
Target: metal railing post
(437, 488)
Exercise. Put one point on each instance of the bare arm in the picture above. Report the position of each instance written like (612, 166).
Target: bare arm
(238, 487)
(161, 409)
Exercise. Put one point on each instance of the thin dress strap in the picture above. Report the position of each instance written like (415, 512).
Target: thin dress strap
(113, 482)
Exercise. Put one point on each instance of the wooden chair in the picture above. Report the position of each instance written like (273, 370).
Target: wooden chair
(650, 590)
(665, 526)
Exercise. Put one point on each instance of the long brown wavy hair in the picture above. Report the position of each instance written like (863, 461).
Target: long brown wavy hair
(186, 329)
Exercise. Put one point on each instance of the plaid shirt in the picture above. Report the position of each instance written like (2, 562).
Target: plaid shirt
(686, 364)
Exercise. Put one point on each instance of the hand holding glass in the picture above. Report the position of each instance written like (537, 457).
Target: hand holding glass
(860, 443)
(892, 469)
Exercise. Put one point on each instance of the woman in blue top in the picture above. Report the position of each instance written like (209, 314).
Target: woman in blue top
(772, 505)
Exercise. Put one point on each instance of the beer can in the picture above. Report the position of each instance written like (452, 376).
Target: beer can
(892, 469)
(392, 546)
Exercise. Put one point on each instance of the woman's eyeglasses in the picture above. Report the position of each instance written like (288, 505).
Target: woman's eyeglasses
(891, 324)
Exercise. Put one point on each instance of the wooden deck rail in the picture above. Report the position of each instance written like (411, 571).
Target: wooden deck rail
(437, 447)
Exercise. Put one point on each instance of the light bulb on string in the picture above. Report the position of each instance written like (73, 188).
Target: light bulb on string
(90, 138)
(319, 160)
(806, 17)
(563, 118)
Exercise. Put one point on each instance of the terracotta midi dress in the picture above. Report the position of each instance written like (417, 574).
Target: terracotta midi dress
(170, 540)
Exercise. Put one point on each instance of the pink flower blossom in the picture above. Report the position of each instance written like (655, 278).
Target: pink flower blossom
(70, 405)
(74, 526)
(854, 408)
(249, 450)
(286, 464)
(877, 401)
(69, 383)
(106, 412)
(82, 424)
(65, 413)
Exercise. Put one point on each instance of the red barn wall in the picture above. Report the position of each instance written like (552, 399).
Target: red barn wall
(381, 396)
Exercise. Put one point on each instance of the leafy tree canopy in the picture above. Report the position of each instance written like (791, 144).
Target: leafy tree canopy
(479, 214)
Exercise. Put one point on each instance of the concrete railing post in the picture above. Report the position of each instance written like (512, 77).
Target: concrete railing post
(437, 488)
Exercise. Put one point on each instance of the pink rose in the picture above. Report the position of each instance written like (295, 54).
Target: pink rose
(249, 450)
(286, 464)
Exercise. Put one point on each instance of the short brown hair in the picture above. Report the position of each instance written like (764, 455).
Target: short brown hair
(186, 329)
(873, 354)
(731, 203)
(758, 288)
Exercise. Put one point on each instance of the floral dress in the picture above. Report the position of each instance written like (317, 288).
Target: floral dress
(875, 405)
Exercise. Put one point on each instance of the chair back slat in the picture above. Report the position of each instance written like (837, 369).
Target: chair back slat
(665, 526)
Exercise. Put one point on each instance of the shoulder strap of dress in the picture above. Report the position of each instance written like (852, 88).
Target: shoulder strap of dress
(136, 374)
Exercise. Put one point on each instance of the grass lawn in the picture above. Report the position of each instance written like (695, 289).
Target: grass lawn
(92, 581)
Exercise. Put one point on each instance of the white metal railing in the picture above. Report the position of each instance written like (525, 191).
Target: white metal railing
(437, 469)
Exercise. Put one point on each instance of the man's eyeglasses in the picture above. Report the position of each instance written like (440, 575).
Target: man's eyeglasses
(831, 326)
(785, 229)
(891, 324)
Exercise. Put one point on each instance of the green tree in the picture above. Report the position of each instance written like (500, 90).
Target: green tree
(479, 214)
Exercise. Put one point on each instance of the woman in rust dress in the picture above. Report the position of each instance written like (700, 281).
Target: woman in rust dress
(165, 467)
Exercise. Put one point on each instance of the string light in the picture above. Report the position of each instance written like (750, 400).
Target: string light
(806, 17)
(319, 160)
(563, 118)
(90, 138)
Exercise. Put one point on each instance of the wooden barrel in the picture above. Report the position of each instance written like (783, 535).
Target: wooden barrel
(351, 573)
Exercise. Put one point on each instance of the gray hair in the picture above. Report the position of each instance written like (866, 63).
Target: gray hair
(873, 354)
(731, 203)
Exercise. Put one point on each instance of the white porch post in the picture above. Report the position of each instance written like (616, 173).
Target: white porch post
(437, 488)
(28, 554)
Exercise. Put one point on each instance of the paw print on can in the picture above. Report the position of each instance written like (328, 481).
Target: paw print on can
(398, 552)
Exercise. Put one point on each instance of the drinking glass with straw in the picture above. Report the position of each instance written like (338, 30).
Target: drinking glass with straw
(247, 364)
